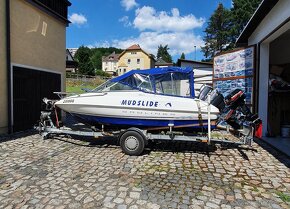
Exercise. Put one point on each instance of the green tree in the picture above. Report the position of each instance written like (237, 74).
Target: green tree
(98, 53)
(182, 56)
(241, 13)
(83, 57)
(102, 73)
(96, 58)
(217, 33)
(164, 54)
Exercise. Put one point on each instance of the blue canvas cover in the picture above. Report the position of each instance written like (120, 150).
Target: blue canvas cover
(155, 77)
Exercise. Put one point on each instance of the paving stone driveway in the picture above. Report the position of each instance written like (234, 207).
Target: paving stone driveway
(70, 173)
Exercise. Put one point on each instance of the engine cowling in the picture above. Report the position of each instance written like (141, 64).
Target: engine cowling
(233, 109)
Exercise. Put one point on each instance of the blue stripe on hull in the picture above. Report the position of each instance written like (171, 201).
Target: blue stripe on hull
(132, 122)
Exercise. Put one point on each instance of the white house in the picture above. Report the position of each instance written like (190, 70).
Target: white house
(71, 64)
(73, 51)
(110, 63)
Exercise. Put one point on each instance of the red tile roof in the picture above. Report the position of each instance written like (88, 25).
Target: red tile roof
(134, 47)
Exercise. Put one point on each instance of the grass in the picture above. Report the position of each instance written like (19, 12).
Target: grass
(76, 86)
(255, 189)
(157, 154)
(78, 89)
(216, 135)
(161, 168)
(199, 194)
(137, 184)
(284, 197)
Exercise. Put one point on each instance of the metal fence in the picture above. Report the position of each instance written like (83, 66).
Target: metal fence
(85, 78)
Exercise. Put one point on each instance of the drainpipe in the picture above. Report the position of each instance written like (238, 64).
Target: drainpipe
(8, 63)
(257, 79)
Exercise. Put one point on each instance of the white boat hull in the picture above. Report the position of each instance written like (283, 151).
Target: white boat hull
(135, 108)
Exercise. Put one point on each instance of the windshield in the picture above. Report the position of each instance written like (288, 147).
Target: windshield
(176, 83)
(112, 86)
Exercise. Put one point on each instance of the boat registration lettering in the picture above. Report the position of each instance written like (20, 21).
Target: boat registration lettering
(68, 101)
(139, 103)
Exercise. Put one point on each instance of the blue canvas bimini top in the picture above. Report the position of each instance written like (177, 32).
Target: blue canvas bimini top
(155, 71)
(167, 81)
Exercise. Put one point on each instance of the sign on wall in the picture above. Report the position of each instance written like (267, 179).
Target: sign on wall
(235, 70)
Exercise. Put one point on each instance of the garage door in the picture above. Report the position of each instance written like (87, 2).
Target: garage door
(29, 87)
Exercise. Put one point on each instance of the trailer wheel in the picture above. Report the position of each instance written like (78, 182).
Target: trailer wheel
(132, 143)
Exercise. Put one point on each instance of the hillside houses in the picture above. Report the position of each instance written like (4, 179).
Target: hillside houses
(133, 58)
(110, 63)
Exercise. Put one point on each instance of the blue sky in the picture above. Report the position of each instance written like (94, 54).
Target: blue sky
(149, 23)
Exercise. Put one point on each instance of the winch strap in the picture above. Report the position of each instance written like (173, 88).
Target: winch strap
(199, 113)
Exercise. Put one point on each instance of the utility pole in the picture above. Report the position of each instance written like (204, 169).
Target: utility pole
(195, 53)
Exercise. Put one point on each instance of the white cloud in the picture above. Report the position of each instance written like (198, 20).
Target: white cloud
(149, 41)
(104, 44)
(160, 27)
(147, 18)
(128, 4)
(125, 20)
(77, 19)
(90, 46)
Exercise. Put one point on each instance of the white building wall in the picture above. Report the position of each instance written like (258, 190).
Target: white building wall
(277, 16)
(263, 85)
(109, 66)
(202, 74)
(133, 60)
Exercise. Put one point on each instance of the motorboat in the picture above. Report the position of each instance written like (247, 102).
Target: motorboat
(154, 104)
(152, 98)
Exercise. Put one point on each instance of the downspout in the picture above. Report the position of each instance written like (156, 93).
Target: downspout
(257, 78)
(8, 63)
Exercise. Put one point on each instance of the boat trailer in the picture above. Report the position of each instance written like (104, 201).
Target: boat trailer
(134, 140)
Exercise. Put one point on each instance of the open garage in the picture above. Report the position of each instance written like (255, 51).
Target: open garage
(279, 88)
(269, 31)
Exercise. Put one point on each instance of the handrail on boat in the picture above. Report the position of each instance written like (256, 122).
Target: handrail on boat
(63, 94)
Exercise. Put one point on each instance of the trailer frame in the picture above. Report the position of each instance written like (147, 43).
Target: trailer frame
(133, 140)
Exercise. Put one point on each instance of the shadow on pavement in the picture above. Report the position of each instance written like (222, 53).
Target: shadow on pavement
(277, 154)
(163, 146)
(22, 134)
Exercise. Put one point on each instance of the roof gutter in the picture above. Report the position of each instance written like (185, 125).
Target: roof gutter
(252, 17)
(8, 65)
(261, 12)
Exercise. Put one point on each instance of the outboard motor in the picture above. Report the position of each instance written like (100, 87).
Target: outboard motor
(47, 104)
(49, 114)
(233, 109)
(204, 91)
(216, 98)
(237, 112)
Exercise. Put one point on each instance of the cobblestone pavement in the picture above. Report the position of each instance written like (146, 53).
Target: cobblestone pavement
(71, 173)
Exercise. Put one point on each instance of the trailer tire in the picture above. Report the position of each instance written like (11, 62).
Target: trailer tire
(132, 143)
